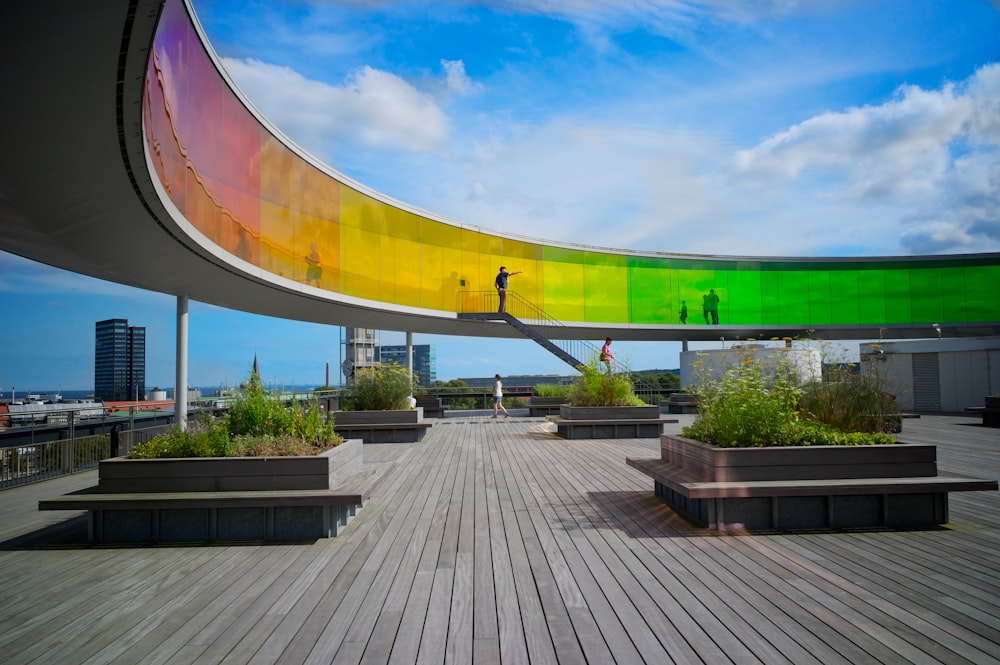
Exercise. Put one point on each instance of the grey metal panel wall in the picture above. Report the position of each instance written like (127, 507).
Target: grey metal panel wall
(926, 382)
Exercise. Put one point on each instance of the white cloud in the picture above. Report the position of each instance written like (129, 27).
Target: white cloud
(457, 80)
(930, 155)
(372, 107)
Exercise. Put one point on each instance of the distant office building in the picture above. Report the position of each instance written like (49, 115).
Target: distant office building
(360, 351)
(518, 380)
(424, 361)
(119, 361)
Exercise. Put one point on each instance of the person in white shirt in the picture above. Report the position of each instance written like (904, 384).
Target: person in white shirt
(498, 398)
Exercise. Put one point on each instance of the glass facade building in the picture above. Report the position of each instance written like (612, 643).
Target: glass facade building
(276, 211)
(424, 360)
(119, 361)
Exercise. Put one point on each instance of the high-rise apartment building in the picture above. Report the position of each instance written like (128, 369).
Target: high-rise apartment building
(424, 361)
(119, 361)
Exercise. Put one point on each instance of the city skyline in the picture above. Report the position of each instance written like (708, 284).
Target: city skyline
(778, 129)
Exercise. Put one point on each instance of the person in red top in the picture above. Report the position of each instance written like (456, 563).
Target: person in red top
(606, 355)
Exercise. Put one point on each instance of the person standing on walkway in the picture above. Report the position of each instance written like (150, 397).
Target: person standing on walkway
(498, 397)
(712, 307)
(501, 284)
(606, 355)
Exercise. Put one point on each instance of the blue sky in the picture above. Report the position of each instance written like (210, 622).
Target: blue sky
(777, 128)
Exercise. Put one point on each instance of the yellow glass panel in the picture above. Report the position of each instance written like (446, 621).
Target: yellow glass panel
(325, 235)
(361, 263)
(401, 224)
(277, 240)
(320, 195)
(360, 210)
(402, 269)
(440, 234)
(280, 174)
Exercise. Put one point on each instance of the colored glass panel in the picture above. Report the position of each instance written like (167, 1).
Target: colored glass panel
(250, 194)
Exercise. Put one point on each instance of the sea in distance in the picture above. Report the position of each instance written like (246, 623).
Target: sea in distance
(206, 391)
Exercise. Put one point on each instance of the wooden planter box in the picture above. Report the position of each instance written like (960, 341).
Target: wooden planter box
(803, 487)
(707, 463)
(220, 499)
(609, 422)
(394, 426)
(568, 412)
(227, 474)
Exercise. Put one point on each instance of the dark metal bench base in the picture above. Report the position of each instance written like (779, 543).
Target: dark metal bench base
(180, 517)
(638, 428)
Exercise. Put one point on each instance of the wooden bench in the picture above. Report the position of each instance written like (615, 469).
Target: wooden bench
(433, 408)
(991, 417)
(807, 504)
(383, 432)
(162, 517)
(545, 405)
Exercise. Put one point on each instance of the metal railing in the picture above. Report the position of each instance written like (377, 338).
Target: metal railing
(473, 302)
(37, 460)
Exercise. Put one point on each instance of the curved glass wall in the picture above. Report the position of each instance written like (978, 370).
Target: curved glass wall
(255, 197)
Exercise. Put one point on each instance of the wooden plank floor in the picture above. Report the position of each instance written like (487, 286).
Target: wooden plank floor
(498, 542)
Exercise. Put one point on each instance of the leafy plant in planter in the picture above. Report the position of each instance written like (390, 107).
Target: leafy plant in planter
(257, 425)
(379, 388)
(596, 388)
(552, 390)
(748, 407)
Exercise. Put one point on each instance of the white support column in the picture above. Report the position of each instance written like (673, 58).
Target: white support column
(181, 380)
(409, 359)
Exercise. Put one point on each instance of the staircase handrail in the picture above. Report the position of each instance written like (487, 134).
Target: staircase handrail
(523, 309)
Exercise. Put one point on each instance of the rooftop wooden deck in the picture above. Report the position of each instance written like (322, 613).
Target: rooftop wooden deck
(497, 542)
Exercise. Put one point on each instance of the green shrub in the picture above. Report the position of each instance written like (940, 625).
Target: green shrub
(596, 388)
(379, 388)
(461, 403)
(257, 424)
(851, 405)
(552, 390)
(746, 408)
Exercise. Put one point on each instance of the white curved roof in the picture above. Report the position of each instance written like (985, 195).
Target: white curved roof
(75, 192)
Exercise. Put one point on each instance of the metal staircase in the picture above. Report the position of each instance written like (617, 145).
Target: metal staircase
(523, 314)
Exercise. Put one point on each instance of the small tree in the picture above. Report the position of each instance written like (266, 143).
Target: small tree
(596, 388)
(380, 388)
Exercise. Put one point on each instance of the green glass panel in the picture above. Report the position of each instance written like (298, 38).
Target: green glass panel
(982, 302)
(953, 295)
(871, 292)
(897, 297)
(793, 297)
(606, 288)
(770, 304)
(925, 295)
(652, 294)
(844, 309)
(819, 298)
(744, 305)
